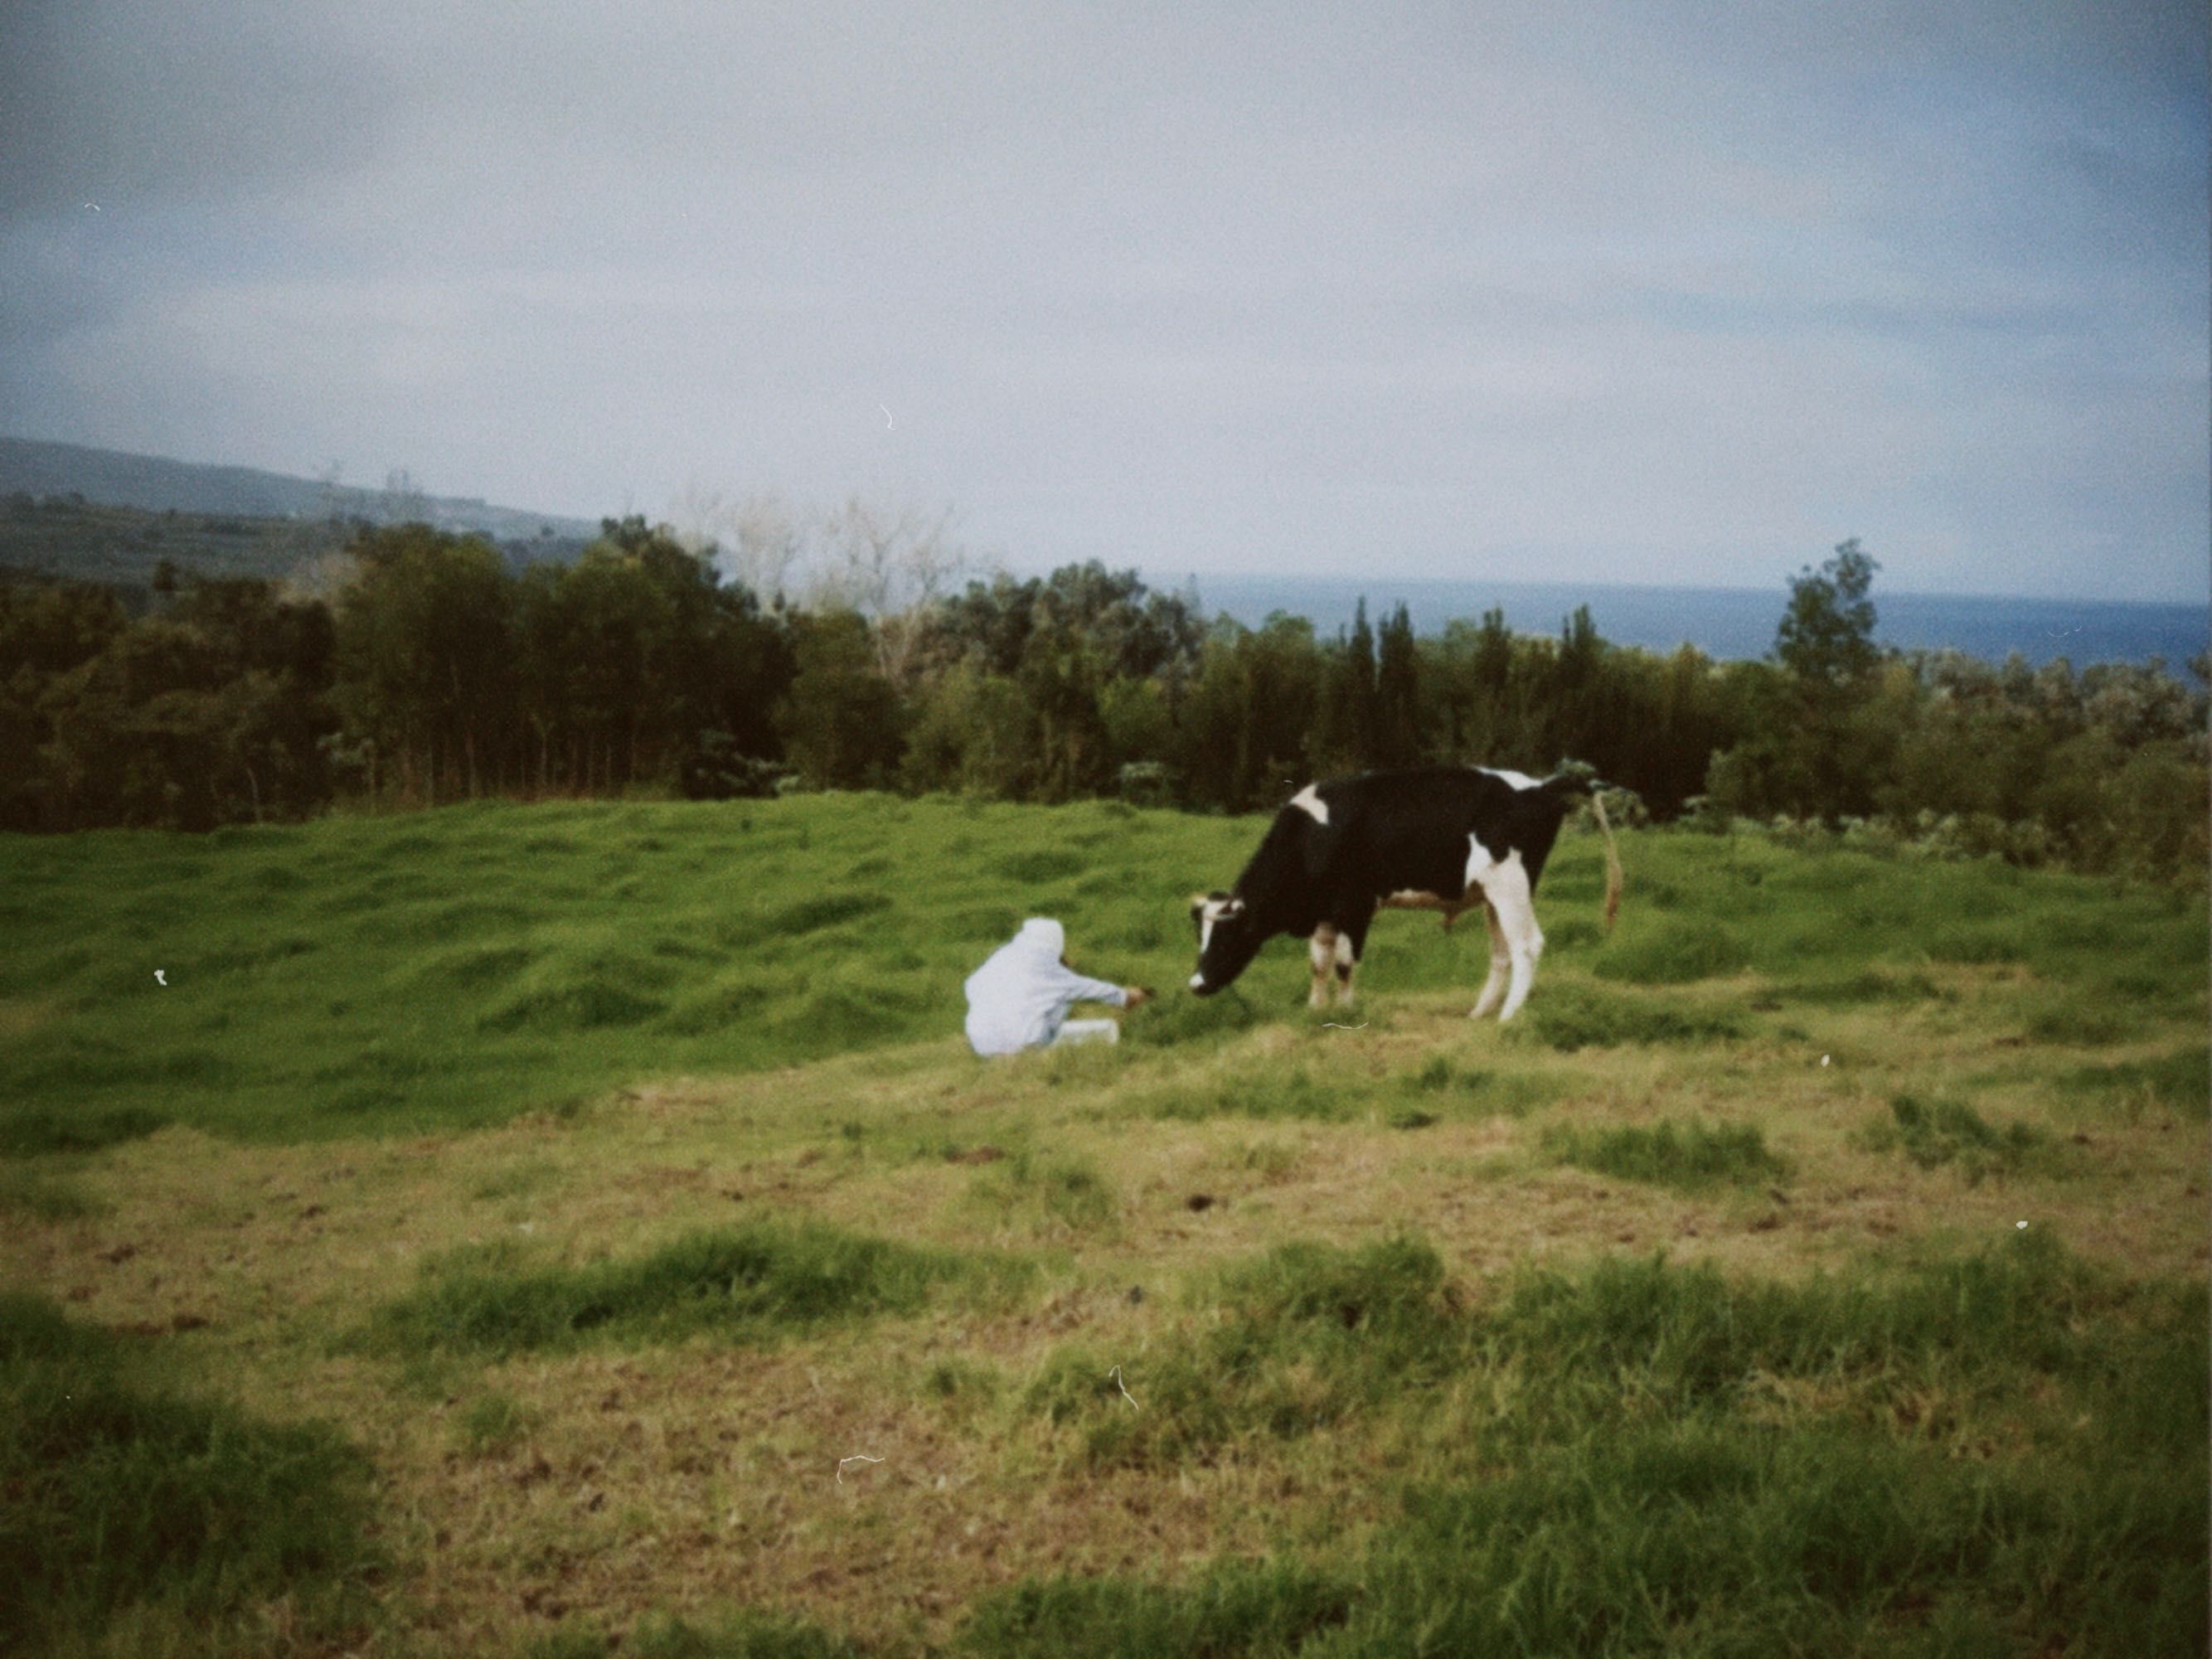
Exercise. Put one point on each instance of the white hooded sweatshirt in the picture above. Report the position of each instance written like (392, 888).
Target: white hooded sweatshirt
(1019, 997)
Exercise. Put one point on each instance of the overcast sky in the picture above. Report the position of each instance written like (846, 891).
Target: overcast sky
(1661, 293)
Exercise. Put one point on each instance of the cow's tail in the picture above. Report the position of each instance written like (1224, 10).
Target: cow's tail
(1613, 875)
(1581, 778)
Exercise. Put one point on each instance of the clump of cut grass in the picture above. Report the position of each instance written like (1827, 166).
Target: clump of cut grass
(1309, 1335)
(811, 915)
(1573, 1017)
(122, 1496)
(43, 1198)
(1690, 1156)
(1948, 1132)
(1690, 1338)
(2075, 1025)
(743, 1284)
(1874, 986)
(1674, 954)
(1698, 1538)
(37, 1131)
(1271, 1161)
(1046, 1192)
(492, 1423)
(1478, 1090)
(1979, 947)
(1226, 1611)
(736, 1633)
(584, 1003)
(1180, 1021)
(2180, 1080)
(1297, 1094)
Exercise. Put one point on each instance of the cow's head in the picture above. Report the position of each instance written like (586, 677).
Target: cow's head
(1228, 940)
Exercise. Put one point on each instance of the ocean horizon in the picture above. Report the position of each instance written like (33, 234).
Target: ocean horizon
(1727, 624)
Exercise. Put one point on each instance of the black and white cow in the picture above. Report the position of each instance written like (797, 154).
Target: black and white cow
(1442, 838)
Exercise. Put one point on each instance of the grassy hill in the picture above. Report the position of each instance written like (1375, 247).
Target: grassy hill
(579, 1194)
(152, 484)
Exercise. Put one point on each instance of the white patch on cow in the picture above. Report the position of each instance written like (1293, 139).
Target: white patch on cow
(1198, 982)
(1212, 911)
(1481, 861)
(1415, 898)
(1310, 802)
(1518, 780)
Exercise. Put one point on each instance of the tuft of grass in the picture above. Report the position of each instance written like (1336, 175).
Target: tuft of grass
(1574, 1016)
(736, 1633)
(1046, 1192)
(812, 915)
(1872, 986)
(492, 1424)
(1674, 954)
(1298, 1094)
(1689, 1157)
(1479, 1091)
(28, 1192)
(1307, 1336)
(2180, 1080)
(1226, 1611)
(1933, 1133)
(2074, 1024)
(31, 1133)
(743, 1284)
(1692, 1538)
(1671, 1461)
(122, 1496)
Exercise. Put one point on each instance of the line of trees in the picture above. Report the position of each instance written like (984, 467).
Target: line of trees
(436, 674)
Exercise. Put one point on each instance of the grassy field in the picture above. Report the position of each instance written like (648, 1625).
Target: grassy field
(563, 1229)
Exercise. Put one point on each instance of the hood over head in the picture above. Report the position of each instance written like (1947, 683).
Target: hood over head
(1043, 935)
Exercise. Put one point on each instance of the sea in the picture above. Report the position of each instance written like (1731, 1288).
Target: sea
(1729, 623)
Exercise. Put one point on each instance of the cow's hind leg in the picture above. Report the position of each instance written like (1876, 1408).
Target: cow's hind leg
(1351, 945)
(1501, 962)
(1323, 951)
(1507, 887)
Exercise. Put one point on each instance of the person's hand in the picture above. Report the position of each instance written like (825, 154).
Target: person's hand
(1135, 996)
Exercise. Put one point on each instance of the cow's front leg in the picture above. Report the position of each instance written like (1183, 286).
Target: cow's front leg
(1322, 951)
(1501, 962)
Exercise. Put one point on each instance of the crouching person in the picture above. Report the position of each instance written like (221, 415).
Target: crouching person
(1019, 999)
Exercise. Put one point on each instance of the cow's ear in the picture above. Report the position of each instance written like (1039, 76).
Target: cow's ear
(1197, 906)
(1234, 908)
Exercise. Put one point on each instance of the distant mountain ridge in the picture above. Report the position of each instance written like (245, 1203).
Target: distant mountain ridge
(112, 477)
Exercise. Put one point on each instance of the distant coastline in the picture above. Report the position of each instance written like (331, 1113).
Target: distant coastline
(1727, 624)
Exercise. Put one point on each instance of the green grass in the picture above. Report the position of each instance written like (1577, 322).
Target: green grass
(1394, 1382)
(739, 1285)
(452, 969)
(1690, 1156)
(123, 1495)
(1947, 1131)
(1642, 1485)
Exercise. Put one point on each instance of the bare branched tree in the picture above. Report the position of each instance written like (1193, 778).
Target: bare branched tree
(892, 564)
(760, 541)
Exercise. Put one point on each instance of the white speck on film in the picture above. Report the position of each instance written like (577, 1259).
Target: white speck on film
(862, 1458)
(157, 977)
(887, 417)
(1331, 1025)
(1116, 1374)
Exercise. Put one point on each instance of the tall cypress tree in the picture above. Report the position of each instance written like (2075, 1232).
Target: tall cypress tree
(1397, 695)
